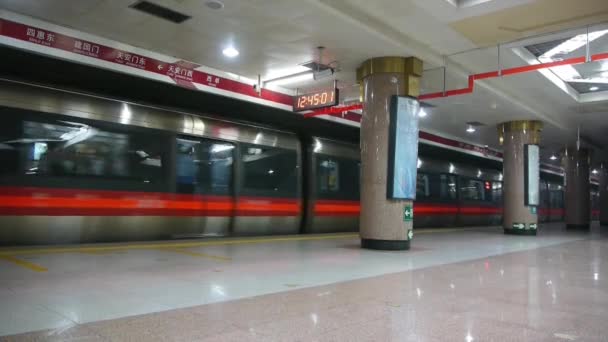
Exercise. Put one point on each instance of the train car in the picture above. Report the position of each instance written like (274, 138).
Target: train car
(78, 168)
(447, 193)
(332, 188)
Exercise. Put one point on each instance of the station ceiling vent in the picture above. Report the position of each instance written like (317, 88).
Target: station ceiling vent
(160, 11)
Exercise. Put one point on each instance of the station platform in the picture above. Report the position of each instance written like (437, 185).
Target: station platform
(461, 284)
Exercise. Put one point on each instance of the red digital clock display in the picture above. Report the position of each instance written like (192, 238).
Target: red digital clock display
(319, 99)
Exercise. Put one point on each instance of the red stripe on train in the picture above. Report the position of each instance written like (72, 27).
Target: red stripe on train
(72, 202)
(353, 208)
(551, 211)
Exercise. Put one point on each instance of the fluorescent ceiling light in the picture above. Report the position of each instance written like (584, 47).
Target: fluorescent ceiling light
(279, 73)
(466, 3)
(305, 76)
(594, 88)
(230, 52)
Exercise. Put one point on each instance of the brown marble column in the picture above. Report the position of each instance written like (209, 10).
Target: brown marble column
(382, 222)
(518, 218)
(577, 200)
(604, 194)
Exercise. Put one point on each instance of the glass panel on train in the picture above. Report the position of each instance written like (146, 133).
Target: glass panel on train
(66, 148)
(10, 130)
(269, 171)
(337, 178)
(422, 186)
(472, 190)
(448, 189)
(204, 167)
(497, 192)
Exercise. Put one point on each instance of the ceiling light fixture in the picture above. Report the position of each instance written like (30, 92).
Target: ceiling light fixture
(553, 157)
(299, 77)
(594, 88)
(422, 113)
(214, 4)
(471, 129)
(594, 171)
(230, 52)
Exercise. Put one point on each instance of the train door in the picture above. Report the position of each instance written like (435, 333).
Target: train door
(595, 203)
(204, 179)
(544, 207)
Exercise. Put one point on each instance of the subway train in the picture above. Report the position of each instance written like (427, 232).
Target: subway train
(77, 168)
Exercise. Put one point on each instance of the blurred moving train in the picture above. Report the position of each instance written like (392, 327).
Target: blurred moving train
(78, 168)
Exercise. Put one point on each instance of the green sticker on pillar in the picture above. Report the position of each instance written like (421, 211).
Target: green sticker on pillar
(410, 234)
(533, 210)
(519, 226)
(408, 213)
(533, 226)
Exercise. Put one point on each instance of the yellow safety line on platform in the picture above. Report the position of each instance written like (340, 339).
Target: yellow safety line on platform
(23, 263)
(180, 245)
(195, 254)
(53, 250)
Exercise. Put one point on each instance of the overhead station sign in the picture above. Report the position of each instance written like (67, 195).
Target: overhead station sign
(40, 37)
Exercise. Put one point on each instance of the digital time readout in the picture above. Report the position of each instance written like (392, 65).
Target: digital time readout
(319, 99)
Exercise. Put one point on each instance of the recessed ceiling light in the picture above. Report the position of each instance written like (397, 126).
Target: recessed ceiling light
(230, 52)
(553, 157)
(214, 4)
(594, 88)
(471, 129)
(594, 171)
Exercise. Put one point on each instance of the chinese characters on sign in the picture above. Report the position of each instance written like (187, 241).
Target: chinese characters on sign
(130, 59)
(40, 36)
(180, 73)
(212, 80)
(86, 48)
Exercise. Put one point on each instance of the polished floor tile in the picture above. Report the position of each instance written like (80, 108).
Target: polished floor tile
(471, 285)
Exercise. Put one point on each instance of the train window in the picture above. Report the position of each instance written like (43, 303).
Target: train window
(497, 192)
(337, 178)
(269, 171)
(472, 190)
(66, 148)
(422, 186)
(329, 175)
(448, 189)
(204, 167)
(10, 130)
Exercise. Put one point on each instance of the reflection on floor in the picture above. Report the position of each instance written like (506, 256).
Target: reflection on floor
(464, 285)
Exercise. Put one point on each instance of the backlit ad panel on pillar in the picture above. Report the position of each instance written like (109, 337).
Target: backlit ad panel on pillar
(531, 175)
(403, 148)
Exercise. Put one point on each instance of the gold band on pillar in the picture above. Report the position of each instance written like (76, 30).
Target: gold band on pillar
(533, 127)
(410, 67)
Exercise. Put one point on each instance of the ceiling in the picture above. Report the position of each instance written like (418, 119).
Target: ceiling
(274, 36)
